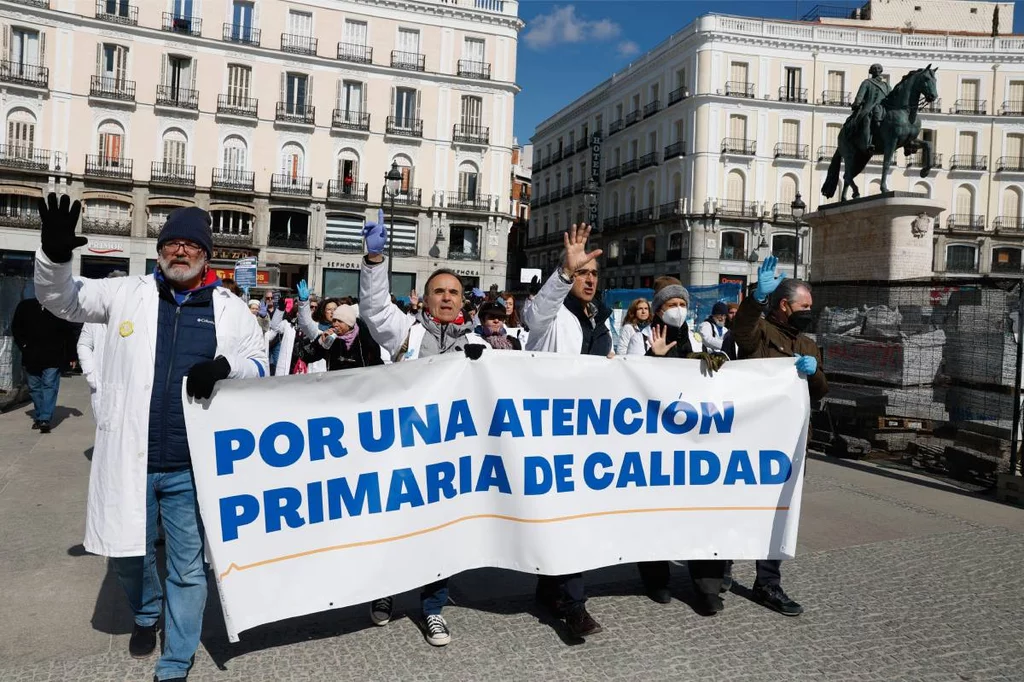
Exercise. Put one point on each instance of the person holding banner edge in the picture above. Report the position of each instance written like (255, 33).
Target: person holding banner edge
(439, 328)
(771, 324)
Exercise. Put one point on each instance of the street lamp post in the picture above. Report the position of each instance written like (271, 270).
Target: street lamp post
(392, 183)
(797, 207)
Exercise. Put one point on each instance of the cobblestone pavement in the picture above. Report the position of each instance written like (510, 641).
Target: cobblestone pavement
(901, 581)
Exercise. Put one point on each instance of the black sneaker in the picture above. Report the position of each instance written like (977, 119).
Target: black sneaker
(774, 598)
(661, 595)
(44, 427)
(708, 604)
(380, 610)
(580, 623)
(438, 633)
(35, 424)
(143, 641)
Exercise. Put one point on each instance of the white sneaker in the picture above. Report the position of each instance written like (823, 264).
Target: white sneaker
(437, 631)
(380, 610)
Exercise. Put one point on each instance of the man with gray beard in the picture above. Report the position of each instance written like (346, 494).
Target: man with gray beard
(178, 324)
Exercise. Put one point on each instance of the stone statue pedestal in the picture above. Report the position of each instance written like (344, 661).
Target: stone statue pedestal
(880, 237)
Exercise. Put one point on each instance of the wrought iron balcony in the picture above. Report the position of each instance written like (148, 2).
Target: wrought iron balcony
(11, 216)
(355, 192)
(20, 73)
(192, 26)
(298, 44)
(737, 208)
(284, 183)
(965, 221)
(43, 4)
(464, 255)
(470, 69)
(570, 149)
(788, 94)
(1010, 164)
(233, 105)
(917, 159)
(1008, 223)
(613, 173)
(739, 145)
(975, 107)
(117, 12)
(180, 98)
(350, 120)
(632, 117)
(25, 157)
(232, 238)
(232, 180)
(112, 88)
(615, 126)
(469, 134)
(120, 228)
(1006, 267)
(782, 213)
(582, 143)
(670, 208)
(410, 61)
(678, 95)
(969, 162)
(739, 89)
(648, 160)
(1011, 109)
(465, 201)
(280, 241)
(577, 187)
(404, 126)
(933, 107)
(631, 166)
(292, 112)
(826, 152)
(675, 150)
(835, 98)
(241, 33)
(108, 167)
(651, 108)
(410, 197)
(791, 150)
(610, 223)
(173, 174)
(355, 52)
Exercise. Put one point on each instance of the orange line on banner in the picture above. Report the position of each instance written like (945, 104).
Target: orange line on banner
(500, 517)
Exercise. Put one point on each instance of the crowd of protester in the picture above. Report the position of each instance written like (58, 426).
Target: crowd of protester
(205, 332)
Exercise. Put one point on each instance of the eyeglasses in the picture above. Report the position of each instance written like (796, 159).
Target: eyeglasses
(190, 248)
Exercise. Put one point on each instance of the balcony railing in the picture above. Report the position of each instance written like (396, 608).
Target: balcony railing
(835, 98)
(355, 52)
(582, 143)
(782, 213)
(283, 183)
(933, 107)
(631, 166)
(25, 157)
(355, 192)
(470, 134)
(971, 162)
(632, 117)
(1010, 164)
(556, 156)
(678, 95)
(965, 221)
(297, 44)
(43, 4)
(20, 73)
(570, 149)
(1010, 267)
(1011, 109)
(1008, 223)
(670, 208)
(410, 197)
(468, 202)
(788, 94)
(613, 173)
(739, 89)
(961, 268)
(233, 180)
(917, 159)
(410, 61)
(404, 126)
(112, 88)
(232, 238)
(350, 120)
(737, 208)
(13, 217)
(233, 105)
(648, 160)
(464, 255)
(291, 112)
(108, 167)
(241, 33)
(615, 126)
(181, 98)
(651, 108)
(825, 152)
(676, 149)
(280, 241)
(117, 12)
(120, 228)
(470, 69)
(791, 150)
(970, 106)
(173, 174)
(192, 26)
(738, 145)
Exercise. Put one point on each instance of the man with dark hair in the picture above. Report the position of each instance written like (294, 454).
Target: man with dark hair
(771, 324)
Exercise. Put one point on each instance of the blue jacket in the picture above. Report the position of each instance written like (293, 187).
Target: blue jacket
(186, 335)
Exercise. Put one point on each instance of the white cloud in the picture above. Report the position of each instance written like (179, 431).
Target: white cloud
(563, 26)
(627, 48)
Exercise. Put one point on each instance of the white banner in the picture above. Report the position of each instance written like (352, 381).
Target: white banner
(323, 491)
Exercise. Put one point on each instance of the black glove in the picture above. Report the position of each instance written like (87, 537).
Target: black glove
(712, 361)
(203, 375)
(58, 227)
(474, 351)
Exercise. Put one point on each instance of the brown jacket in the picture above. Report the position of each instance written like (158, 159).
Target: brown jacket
(758, 337)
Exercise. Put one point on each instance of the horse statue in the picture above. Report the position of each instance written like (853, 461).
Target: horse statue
(899, 127)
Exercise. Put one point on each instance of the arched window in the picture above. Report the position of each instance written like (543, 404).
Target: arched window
(1011, 217)
(923, 188)
(961, 258)
(650, 195)
(650, 246)
(735, 192)
(236, 157)
(348, 170)
(615, 204)
(468, 181)
(1006, 259)
(675, 246)
(21, 133)
(406, 189)
(107, 216)
(964, 207)
(631, 206)
(787, 193)
(175, 151)
(110, 144)
(293, 161)
(875, 187)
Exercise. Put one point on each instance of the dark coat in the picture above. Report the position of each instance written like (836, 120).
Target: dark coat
(42, 337)
(364, 352)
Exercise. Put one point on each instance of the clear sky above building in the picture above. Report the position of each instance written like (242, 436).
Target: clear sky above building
(567, 48)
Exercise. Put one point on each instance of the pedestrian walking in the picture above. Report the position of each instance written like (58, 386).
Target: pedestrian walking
(43, 339)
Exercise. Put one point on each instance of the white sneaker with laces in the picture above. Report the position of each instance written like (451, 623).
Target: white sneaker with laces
(438, 633)
(380, 610)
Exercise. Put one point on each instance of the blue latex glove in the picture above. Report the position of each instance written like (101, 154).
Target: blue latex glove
(263, 310)
(806, 364)
(376, 235)
(767, 280)
(303, 290)
(479, 293)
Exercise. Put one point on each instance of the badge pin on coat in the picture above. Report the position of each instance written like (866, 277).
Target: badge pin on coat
(126, 329)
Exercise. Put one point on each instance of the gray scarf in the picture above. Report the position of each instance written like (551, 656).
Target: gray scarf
(441, 338)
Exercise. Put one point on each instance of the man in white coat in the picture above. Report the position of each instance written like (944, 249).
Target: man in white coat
(161, 328)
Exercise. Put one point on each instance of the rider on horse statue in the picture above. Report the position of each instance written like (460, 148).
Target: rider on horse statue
(867, 107)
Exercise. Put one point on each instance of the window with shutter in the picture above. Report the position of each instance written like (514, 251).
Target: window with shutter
(235, 162)
(832, 134)
(837, 81)
(787, 191)
(296, 94)
(964, 201)
(110, 138)
(405, 108)
(966, 144)
(21, 132)
(239, 79)
(791, 132)
(174, 152)
(355, 33)
(1012, 206)
(24, 47)
(352, 100)
(472, 112)
(1016, 97)
(1015, 149)
(409, 41)
(738, 72)
(969, 90)
(291, 161)
(736, 187)
(738, 127)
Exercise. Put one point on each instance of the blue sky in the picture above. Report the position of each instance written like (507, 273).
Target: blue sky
(569, 47)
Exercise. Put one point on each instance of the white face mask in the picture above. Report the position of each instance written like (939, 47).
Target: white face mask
(674, 317)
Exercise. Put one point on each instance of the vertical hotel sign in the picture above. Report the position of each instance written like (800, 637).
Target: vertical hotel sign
(595, 171)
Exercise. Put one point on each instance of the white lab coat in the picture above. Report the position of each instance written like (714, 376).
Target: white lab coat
(711, 336)
(90, 359)
(553, 327)
(115, 523)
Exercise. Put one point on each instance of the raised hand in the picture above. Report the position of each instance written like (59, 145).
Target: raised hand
(414, 298)
(576, 255)
(376, 235)
(659, 346)
(807, 365)
(303, 290)
(767, 280)
(59, 219)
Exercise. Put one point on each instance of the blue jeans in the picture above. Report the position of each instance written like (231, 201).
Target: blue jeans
(173, 495)
(43, 387)
(433, 597)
